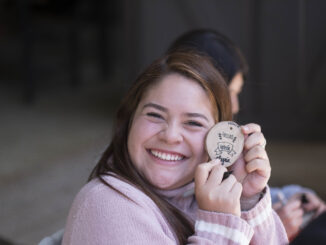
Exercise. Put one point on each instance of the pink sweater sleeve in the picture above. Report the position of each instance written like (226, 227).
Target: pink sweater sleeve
(259, 225)
(268, 228)
(220, 228)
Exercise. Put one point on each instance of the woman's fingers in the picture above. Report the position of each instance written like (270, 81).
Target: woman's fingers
(254, 171)
(321, 209)
(277, 205)
(216, 175)
(256, 138)
(250, 128)
(253, 136)
(254, 153)
(292, 205)
(257, 160)
(229, 183)
(203, 171)
(314, 203)
(261, 166)
(217, 195)
(237, 189)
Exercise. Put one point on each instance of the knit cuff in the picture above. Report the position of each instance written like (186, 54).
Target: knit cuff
(216, 226)
(261, 212)
(249, 203)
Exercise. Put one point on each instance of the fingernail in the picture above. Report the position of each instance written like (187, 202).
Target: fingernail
(245, 128)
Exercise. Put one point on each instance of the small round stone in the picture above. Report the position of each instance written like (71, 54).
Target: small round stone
(225, 141)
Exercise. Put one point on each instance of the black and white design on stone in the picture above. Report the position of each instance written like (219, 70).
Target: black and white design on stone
(225, 141)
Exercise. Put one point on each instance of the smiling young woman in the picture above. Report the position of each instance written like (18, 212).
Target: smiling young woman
(142, 189)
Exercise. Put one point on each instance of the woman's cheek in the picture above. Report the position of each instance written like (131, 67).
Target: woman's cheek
(197, 140)
(147, 127)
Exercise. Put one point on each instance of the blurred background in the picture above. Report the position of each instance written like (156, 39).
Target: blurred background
(64, 65)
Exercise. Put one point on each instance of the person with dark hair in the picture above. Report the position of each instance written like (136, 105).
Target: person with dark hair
(154, 184)
(229, 60)
(224, 54)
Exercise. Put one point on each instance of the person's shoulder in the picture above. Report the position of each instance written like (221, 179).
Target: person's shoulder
(117, 191)
(119, 214)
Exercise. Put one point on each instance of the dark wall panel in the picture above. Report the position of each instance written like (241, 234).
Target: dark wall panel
(284, 42)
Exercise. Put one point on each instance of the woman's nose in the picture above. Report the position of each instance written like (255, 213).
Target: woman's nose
(171, 134)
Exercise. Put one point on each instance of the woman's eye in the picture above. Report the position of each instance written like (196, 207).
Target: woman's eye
(194, 123)
(153, 114)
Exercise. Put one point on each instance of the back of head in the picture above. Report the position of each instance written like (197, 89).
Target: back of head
(226, 56)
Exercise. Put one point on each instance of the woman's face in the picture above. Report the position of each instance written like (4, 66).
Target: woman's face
(166, 139)
(235, 88)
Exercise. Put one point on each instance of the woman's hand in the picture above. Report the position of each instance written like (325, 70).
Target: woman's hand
(291, 215)
(252, 169)
(314, 203)
(292, 212)
(215, 194)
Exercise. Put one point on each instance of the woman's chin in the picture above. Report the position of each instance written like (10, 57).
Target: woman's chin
(165, 180)
(165, 184)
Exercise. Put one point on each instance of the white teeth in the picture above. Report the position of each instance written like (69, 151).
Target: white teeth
(166, 156)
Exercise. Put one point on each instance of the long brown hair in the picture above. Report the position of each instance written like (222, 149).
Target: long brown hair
(116, 159)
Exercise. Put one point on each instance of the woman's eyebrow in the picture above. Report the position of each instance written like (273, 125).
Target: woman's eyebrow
(191, 114)
(156, 106)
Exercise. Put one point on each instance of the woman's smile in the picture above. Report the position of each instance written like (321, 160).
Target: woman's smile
(166, 156)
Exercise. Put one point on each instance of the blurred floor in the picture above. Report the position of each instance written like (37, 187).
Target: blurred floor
(48, 149)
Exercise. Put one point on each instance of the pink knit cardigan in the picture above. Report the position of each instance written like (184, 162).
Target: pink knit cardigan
(100, 215)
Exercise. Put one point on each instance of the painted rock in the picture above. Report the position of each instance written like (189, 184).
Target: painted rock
(225, 141)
